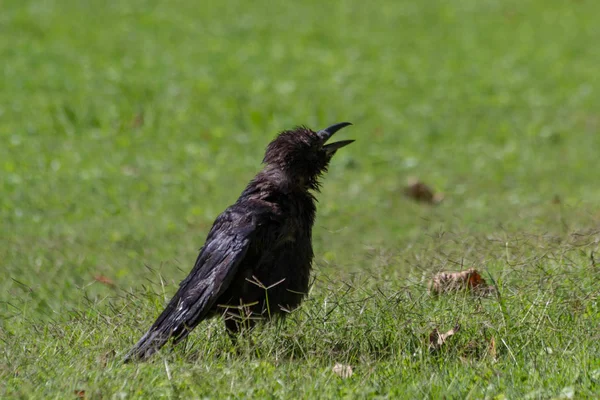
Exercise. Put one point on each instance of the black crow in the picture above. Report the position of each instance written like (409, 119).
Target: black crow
(256, 260)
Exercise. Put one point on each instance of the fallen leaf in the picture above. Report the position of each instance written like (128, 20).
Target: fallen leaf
(104, 280)
(492, 348)
(79, 393)
(470, 279)
(437, 339)
(556, 199)
(343, 371)
(422, 193)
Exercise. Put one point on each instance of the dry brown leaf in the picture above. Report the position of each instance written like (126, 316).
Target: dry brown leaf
(343, 371)
(437, 339)
(556, 199)
(80, 394)
(470, 279)
(422, 193)
(104, 280)
(492, 348)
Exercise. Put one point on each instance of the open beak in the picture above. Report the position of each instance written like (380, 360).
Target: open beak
(327, 133)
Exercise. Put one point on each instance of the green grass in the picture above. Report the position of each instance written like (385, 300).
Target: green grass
(127, 127)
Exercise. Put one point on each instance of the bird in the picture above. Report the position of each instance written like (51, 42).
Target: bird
(256, 261)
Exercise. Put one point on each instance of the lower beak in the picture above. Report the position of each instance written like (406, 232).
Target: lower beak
(333, 147)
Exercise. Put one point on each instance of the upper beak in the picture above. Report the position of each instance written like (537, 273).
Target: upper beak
(327, 133)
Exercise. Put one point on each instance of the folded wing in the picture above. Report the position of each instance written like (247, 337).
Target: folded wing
(217, 264)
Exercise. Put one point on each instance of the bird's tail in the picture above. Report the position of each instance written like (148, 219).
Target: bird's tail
(172, 323)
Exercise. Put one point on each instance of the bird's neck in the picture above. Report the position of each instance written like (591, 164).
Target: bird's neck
(275, 180)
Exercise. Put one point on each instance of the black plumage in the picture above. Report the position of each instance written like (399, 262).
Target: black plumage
(256, 260)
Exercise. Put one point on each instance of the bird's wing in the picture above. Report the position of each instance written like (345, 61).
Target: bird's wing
(225, 247)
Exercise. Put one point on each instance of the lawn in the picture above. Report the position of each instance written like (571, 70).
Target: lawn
(127, 127)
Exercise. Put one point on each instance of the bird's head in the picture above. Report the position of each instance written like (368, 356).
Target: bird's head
(303, 154)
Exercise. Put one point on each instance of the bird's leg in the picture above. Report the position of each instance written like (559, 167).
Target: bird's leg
(237, 325)
(232, 325)
(233, 329)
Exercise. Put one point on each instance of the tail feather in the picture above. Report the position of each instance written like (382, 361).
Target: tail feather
(172, 323)
(216, 266)
(149, 344)
(185, 310)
